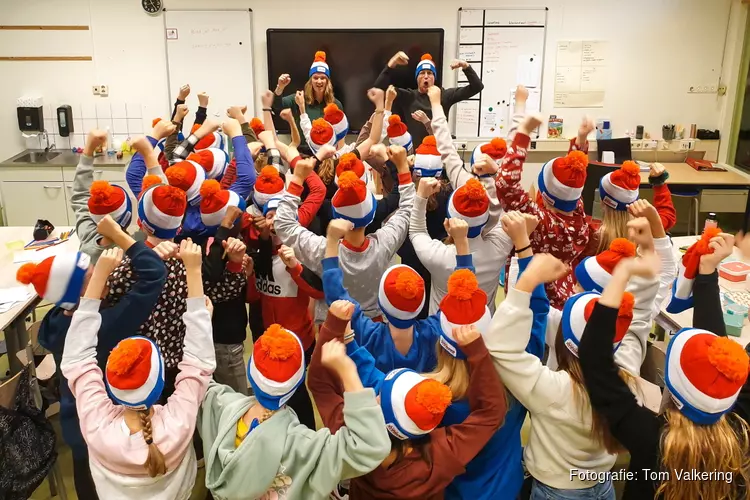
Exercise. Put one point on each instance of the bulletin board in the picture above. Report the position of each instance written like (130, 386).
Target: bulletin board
(505, 47)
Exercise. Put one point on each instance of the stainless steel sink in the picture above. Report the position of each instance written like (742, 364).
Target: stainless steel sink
(37, 157)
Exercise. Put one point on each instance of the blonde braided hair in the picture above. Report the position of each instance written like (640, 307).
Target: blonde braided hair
(155, 461)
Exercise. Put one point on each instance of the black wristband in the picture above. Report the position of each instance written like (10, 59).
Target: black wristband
(521, 250)
(270, 110)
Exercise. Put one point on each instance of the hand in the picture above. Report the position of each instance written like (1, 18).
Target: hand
(209, 127)
(514, 225)
(248, 264)
(108, 261)
(656, 169)
(642, 208)
(531, 222)
(184, 92)
(236, 112)
(166, 250)
(209, 306)
(530, 123)
(287, 256)
(465, 334)
(587, 126)
(397, 155)
(326, 151)
(263, 225)
(232, 214)
(342, 309)
(338, 228)
(333, 356)
(399, 59)
(284, 80)
(458, 229)
(376, 96)
(286, 115)
(427, 187)
(232, 127)
(522, 94)
(266, 98)
(235, 249)
(390, 94)
(646, 265)
(299, 98)
(164, 128)
(723, 246)
(457, 63)
(485, 165)
(304, 168)
(639, 232)
(266, 137)
(190, 254)
(108, 228)
(543, 268)
(434, 94)
(420, 116)
(203, 100)
(95, 140)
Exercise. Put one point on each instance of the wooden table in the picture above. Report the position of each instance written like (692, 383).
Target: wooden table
(13, 322)
(684, 174)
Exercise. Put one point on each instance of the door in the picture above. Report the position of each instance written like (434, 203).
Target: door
(25, 202)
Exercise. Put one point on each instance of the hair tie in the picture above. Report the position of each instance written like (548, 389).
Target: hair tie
(149, 441)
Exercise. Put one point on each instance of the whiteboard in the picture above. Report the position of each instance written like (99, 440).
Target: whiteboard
(508, 51)
(212, 51)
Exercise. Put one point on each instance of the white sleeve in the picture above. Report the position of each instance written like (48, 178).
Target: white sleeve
(667, 274)
(554, 317)
(306, 126)
(309, 247)
(433, 254)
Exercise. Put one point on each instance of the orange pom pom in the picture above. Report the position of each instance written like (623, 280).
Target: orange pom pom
(347, 161)
(578, 161)
(257, 126)
(176, 175)
(701, 246)
(278, 344)
(150, 180)
(269, 172)
(154, 122)
(331, 108)
(409, 286)
(127, 353)
(626, 306)
(25, 273)
(320, 56)
(429, 141)
(173, 196)
(631, 168)
(209, 188)
(496, 148)
(195, 127)
(434, 396)
(426, 57)
(474, 190)
(319, 126)
(623, 247)
(729, 358)
(348, 180)
(394, 119)
(462, 284)
(100, 191)
(498, 143)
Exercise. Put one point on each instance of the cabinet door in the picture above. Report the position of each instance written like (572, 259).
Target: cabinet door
(25, 202)
(69, 195)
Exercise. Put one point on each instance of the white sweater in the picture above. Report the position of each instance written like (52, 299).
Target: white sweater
(560, 437)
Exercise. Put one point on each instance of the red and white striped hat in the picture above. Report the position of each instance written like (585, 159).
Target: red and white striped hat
(577, 312)
(58, 279)
(109, 199)
(561, 180)
(188, 176)
(350, 163)
(470, 203)
(682, 288)
(401, 295)
(495, 149)
(333, 115)
(593, 273)
(427, 160)
(269, 184)
(161, 208)
(277, 367)
(215, 202)
(321, 134)
(464, 304)
(398, 133)
(257, 125)
(412, 405)
(213, 160)
(353, 201)
(135, 373)
(619, 189)
(212, 140)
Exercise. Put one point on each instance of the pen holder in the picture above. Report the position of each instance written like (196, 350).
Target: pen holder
(667, 133)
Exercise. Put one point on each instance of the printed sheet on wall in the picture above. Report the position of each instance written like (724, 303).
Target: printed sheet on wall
(506, 48)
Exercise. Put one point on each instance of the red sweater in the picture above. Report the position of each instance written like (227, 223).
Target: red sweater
(564, 236)
(449, 448)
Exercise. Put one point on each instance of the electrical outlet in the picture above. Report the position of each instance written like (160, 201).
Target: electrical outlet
(636, 144)
(649, 144)
(702, 89)
(96, 90)
(103, 90)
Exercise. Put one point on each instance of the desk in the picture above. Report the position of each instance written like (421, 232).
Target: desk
(13, 322)
(684, 174)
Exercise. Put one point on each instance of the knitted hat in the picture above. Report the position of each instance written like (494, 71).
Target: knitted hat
(682, 288)
(353, 201)
(593, 273)
(161, 208)
(215, 201)
(619, 189)
(277, 367)
(271, 205)
(108, 199)
(470, 203)
(577, 312)
(333, 115)
(426, 63)
(401, 295)
(495, 149)
(135, 373)
(257, 125)
(188, 176)
(319, 65)
(412, 404)
(321, 134)
(213, 160)
(704, 374)
(398, 133)
(427, 161)
(350, 163)
(561, 180)
(212, 140)
(58, 279)
(268, 184)
(464, 304)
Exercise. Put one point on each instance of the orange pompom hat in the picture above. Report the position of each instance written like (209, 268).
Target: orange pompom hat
(333, 115)
(161, 208)
(619, 189)
(150, 180)
(704, 374)
(427, 160)
(412, 405)
(135, 373)
(277, 366)
(58, 279)
(465, 304)
(426, 64)
(561, 180)
(353, 201)
(212, 140)
(268, 185)
(187, 175)
(495, 149)
(350, 163)
(213, 160)
(682, 288)
(398, 133)
(257, 125)
(470, 203)
(215, 202)
(319, 65)
(107, 199)
(401, 295)
(321, 134)
(577, 312)
(593, 273)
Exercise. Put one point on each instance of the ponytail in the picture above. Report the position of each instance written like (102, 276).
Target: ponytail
(155, 460)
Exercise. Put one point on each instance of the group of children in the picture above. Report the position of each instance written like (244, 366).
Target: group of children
(422, 383)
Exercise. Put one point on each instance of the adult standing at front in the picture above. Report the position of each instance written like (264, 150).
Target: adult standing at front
(410, 102)
(318, 91)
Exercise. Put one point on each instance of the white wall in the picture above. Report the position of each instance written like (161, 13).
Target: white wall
(658, 49)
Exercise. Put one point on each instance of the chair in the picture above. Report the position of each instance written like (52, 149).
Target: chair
(694, 197)
(620, 147)
(594, 175)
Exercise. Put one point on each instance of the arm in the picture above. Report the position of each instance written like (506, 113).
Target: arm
(79, 200)
(393, 232)
(309, 247)
(385, 207)
(137, 170)
(667, 275)
(246, 174)
(364, 132)
(214, 263)
(376, 97)
(509, 191)
(317, 193)
(303, 285)
(306, 124)
(457, 94)
(453, 164)
(432, 253)
(539, 307)
(708, 313)
(183, 150)
(663, 204)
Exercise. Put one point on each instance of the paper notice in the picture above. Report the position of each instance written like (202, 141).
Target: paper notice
(472, 17)
(470, 53)
(581, 74)
(529, 70)
(593, 78)
(470, 35)
(569, 53)
(467, 118)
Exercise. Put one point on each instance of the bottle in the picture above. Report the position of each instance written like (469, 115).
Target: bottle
(711, 221)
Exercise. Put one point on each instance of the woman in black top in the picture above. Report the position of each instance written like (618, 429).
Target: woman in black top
(672, 456)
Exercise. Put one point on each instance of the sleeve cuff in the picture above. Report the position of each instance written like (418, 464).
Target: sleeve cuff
(330, 263)
(195, 304)
(360, 399)
(152, 140)
(86, 160)
(474, 349)
(89, 305)
(234, 267)
(518, 298)
(521, 140)
(135, 248)
(404, 178)
(464, 261)
(708, 278)
(351, 347)
(295, 271)
(336, 324)
(658, 180)
(294, 161)
(239, 143)
(295, 189)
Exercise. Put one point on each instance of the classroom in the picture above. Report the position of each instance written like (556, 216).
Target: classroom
(353, 250)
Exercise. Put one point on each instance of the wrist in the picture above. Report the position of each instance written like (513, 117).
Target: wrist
(706, 268)
(527, 282)
(520, 243)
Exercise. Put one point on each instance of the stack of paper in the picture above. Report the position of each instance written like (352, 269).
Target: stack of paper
(9, 297)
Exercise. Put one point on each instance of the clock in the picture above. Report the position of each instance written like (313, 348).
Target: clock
(152, 6)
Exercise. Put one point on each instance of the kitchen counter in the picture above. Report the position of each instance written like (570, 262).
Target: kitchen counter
(66, 158)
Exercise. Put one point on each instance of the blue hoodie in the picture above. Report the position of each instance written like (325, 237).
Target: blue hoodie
(118, 322)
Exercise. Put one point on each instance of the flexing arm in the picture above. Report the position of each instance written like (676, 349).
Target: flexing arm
(433, 254)
(457, 94)
(246, 174)
(79, 200)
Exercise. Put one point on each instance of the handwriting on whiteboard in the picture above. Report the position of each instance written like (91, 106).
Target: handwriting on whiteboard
(207, 31)
(211, 46)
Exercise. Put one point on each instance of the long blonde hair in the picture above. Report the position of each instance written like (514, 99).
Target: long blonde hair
(452, 372)
(614, 225)
(155, 464)
(261, 161)
(719, 447)
(327, 170)
(310, 95)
